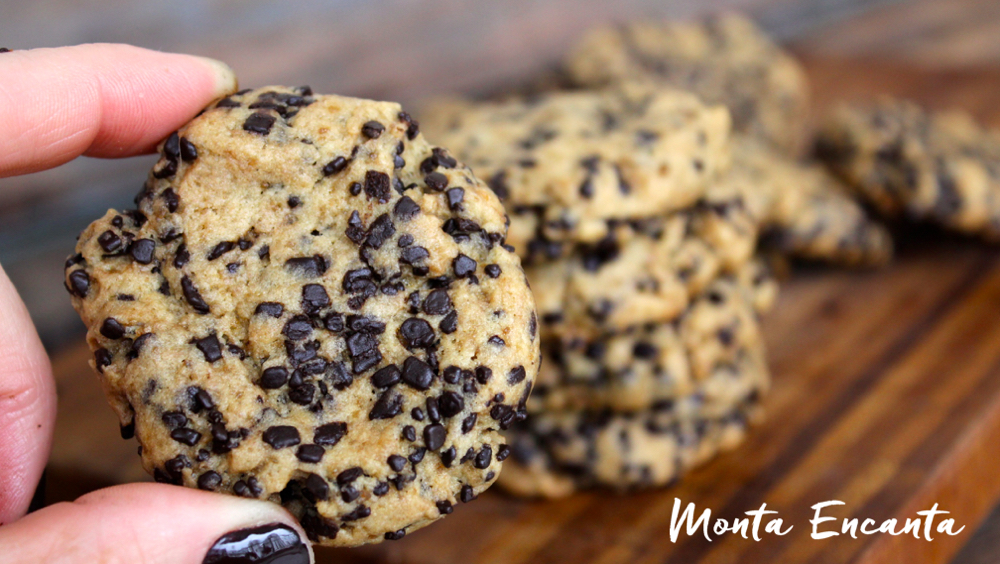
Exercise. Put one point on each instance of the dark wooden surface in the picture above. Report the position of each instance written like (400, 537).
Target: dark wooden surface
(886, 396)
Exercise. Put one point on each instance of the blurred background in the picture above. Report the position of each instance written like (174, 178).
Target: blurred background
(406, 50)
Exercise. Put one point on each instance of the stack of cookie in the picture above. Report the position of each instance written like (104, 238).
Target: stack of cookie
(640, 257)
(803, 211)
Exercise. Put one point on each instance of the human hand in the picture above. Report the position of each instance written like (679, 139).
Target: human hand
(105, 101)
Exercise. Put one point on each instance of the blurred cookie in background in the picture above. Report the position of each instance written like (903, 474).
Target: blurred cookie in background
(908, 163)
(725, 60)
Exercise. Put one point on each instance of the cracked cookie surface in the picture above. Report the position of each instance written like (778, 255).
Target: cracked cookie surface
(312, 306)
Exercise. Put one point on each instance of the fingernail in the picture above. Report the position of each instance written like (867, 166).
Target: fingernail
(274, 543)
(225, 79)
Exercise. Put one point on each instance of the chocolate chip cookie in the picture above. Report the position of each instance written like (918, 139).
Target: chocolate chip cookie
(803, 210)
(941, 168)
(564, 164)
(641, 272)
(554, 454)
(724, 60)
(654, 363)
(313, 306)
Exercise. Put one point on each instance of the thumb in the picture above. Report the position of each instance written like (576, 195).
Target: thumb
(156, 524)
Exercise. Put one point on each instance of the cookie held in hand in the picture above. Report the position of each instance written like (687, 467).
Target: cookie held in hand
(315, 307)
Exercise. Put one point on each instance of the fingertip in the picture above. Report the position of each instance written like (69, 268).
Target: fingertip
(225, 79)
(101, 100)
(159, 524)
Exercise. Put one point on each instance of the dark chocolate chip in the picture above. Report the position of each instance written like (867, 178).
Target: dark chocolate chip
(302, 395)
(193, 297)
(172, 147)
(444, 507)
(182, 256)
(372, 129)
(189, 153)
(434, 436)
(464, 266)
(348, 476)
(416, 333)
(310, 453)
(141, 250)
(516, 375)
(417, 373)
(110, 242)
(386, 377)
(414, 254)
(377, 186)
(436, 181)
(310, 267)
(297, 328)
(318, 487)
(483, 374)
(455, 197)
(330, 434)
(314, 298)
(380, 231)
(259, 123)
(210, 347)
(271, 309)
(185, 435)
(503, 451)
(273, 377)
(467, 494)
(112, 329)
(449, 324)
(483, 458)
(79, 283)
(102, 358)
(451, 404)
(405, 208)
(396, 462)
(437, 302)
(220, 249)
(492, 270)
(395, 535)
(174, 419)
(282, 436)
(209, 481)
(359, 513)
(337, 376)
(389, 405)
(336, 165)
(409, 433)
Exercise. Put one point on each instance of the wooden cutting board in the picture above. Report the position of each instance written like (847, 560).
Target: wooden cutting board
(886, 396)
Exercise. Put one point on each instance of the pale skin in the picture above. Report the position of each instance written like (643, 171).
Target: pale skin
(105, 101)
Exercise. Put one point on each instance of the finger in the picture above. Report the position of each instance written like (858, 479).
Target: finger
(157, 524)
(100, 100)
(27, 404)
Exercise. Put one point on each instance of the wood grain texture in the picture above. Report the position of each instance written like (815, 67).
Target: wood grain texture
(886, 396)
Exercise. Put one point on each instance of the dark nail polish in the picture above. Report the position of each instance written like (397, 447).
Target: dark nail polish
(268, 544)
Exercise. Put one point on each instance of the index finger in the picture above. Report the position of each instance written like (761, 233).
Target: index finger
(99, 100)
